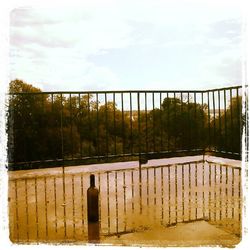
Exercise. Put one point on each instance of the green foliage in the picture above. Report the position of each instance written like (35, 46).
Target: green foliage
(226, 128)
(58, 126)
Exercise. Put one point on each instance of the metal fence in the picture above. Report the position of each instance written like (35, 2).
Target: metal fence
(56, 129)
(53, 206)
(69, 128)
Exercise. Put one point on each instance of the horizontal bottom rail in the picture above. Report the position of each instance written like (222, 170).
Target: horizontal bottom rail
(118, 158)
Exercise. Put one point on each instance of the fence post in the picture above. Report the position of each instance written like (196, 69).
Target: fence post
(93, 212)
(142, 160)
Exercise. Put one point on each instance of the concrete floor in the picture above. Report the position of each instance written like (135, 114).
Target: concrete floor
(199, 233)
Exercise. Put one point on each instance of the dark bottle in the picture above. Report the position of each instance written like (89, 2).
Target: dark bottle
(93, 201)
(93, 212)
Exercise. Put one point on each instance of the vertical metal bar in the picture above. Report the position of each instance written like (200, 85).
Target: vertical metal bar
(161, 122)
(73, 204)
(147, 189)
(64, 204)
(82, 205)
(17, 214)
(26, 210)
(176, 194)
(108, 202)
(139, 124)
(203, 117)
(226, 191)
(220, 192)
(61, 126)
(89, 125)
(214, 143)
(106, 125)
(215, 191)
(162, 196)
(46, 207)
(169, 197)
(238, 119)
(131, 121)
(153, 99)
(203, 191)
(189, 123)
(209, 194)
(168, 122)
(139, 142)
(239, 194)
(182, 146)
(37, 230)
(116, 203)
(195, 119)
(182, 191)
(55, 202)
(43, 125)
(209, 120)
(233, 193)
(52, 110)
(80, 119)
(114, 125)
(71, 128)
(146, 121)
(154, 191)
(52, 102)
(132, 184)
(97, 125)
(219, 120)
(181, 102)
(123, 133)
(189, 191)
(225, 121)
(99, 208)
(231, 120)
(175, 119)
(12, 124)
(63, 173)
(124, 202)
(196, 194)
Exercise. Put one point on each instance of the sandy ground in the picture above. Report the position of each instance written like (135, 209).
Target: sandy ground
(199, 233)
(45, 205)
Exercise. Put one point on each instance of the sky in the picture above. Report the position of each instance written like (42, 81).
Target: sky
(125, 45)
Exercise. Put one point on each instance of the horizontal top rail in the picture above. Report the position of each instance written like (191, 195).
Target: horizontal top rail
(128, 91)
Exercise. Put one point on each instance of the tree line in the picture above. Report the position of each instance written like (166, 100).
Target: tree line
(45, 127)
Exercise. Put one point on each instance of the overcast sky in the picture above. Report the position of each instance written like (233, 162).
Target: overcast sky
(112, 45)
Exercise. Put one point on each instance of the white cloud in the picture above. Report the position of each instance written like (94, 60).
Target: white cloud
(54, 47)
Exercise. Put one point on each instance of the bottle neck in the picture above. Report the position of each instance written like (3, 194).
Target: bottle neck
(92, 180)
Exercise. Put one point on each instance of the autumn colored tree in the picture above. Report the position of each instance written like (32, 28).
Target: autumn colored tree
(226, 127)
(57, 126)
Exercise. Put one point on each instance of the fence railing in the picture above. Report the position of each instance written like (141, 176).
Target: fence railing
(60, 128)
(53, 205)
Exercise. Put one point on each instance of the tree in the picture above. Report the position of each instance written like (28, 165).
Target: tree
(185, 124)
(227, 127)
(51, 126)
